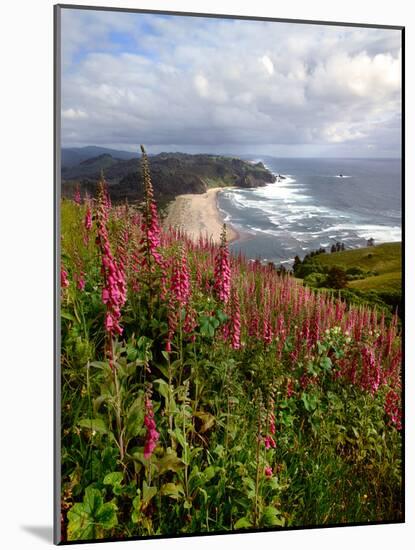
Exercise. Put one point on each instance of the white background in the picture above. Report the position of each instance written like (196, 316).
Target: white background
(26, 281)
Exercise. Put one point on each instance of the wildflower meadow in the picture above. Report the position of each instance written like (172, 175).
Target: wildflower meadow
(202, 392)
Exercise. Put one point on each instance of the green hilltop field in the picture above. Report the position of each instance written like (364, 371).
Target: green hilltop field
(373, 274)
(385, 260)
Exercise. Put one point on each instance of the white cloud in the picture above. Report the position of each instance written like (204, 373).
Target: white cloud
(338, 134)
(74, 114)
(201, 84)
(228, 84)
(268, 64)
(359, 75)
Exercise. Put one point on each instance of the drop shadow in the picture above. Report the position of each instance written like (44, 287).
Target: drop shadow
(42, 532)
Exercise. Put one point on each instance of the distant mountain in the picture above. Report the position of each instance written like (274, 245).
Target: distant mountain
(91, 167)
(71, 156)
(172, 174)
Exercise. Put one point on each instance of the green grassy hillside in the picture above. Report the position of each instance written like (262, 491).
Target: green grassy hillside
(384, 258)
(382, 264)
(387, 282)
(371, 275)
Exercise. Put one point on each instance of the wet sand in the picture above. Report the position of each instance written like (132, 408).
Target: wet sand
(198, 214)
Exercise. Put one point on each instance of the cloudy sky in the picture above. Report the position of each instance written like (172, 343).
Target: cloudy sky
(229, 86)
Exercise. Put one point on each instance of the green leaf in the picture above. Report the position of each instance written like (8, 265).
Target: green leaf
(203, 493)
(311, 368)
(114, 478)
(135, 515)
(180, 438)
(164, 369)
(68, 316)
(321, 347)
(88, 518)
(243, 523)
(172, 490)
(166, 355)
(270, 517)
(162, 387)
(207, 419)
(169, 462)
(208, 325)
(273, 483)
(325, 363)
(94, 424)
(131, 353)
(107, 515)
(92, 500)
(80, 526)
(100, 364)
(221, 316)
(304, 399)
(135, 417)
(209, 473)
(148, 493)
(98, 401)
(250, 486)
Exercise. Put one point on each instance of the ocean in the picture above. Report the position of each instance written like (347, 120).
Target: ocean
(314, 207)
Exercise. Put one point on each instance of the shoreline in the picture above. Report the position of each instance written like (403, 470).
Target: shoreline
(199, 214)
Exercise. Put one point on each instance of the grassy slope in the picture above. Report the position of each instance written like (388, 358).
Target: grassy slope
(388, 282)
(385, 259)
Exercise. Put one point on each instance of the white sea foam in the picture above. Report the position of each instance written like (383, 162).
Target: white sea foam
(286, 213)
(380, 233)
(272, 232)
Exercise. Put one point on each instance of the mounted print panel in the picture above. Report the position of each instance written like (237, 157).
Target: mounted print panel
(229, 312)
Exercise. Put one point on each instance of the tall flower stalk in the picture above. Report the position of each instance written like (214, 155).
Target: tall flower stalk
(114, 289)
(64, 277)
(150, 224)
(235, 321)
(77, 196)
(180, 280)
(222, 284)
(152, 435)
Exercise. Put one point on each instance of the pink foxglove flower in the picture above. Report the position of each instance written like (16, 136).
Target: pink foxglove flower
(370, 379)
(150, 226)
(88, 218)
(152, 434)
(114, 291)
(266, 329)
(190, 323)
(222, 284)
(80, 282)
(77, 196)
(180, 280)
(393, 410)
(268, 471)
(64, 278)
(269, 442)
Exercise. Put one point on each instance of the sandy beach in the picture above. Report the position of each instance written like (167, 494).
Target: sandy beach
(198, 214)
